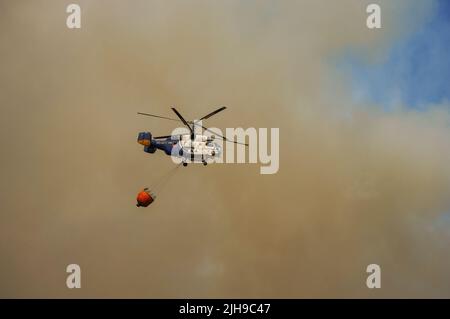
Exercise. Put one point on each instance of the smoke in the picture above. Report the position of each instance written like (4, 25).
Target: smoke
(356, 185)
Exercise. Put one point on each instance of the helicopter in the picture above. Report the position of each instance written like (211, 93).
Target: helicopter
(190, 147)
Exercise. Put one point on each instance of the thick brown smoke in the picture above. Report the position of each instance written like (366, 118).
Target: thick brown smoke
(356, 185)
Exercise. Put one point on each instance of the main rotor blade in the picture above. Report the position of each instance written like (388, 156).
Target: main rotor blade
(165, 136)
(183, 120)
(212, 113)
(160, 117)
(223, 137)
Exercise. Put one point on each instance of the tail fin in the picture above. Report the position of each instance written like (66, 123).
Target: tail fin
(145, 138)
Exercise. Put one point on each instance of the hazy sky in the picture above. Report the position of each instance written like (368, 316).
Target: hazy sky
(414, 71)
(364, 175)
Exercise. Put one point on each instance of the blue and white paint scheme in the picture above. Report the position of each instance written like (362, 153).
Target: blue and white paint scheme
(201, 149)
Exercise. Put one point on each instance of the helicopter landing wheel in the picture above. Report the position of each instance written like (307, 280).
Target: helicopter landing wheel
(184, 164)
(204, 163)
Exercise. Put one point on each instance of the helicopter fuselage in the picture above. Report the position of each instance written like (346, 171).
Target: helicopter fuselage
(191, 148)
